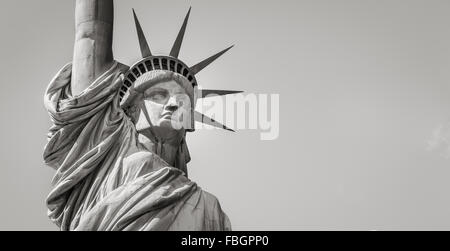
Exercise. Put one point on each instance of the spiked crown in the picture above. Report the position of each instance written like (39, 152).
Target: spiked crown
(142, 71)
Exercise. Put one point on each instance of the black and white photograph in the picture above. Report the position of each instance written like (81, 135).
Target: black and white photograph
(202, 116)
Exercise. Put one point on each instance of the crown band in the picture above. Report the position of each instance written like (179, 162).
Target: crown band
(153, 63)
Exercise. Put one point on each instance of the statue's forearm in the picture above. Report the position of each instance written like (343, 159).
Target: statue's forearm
(93, 42)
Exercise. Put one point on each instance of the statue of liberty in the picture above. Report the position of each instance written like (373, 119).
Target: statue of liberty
(118, 140)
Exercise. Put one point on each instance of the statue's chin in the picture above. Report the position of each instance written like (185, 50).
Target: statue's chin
(166, 129)
(167, 124)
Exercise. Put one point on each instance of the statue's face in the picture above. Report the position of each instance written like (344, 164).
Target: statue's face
(167, 105)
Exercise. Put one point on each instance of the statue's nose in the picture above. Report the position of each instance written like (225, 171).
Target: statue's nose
(172, 108)
(172, 104)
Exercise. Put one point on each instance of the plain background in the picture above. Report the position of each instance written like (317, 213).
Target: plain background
(364, 106)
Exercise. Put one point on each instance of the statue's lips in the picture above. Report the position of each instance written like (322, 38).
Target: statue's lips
(167, 115)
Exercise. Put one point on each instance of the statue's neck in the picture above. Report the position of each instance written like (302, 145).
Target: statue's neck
(166, 148)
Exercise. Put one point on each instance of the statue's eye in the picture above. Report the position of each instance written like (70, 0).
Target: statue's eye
(156, 96)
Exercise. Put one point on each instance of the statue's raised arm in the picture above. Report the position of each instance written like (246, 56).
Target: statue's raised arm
(93, 42)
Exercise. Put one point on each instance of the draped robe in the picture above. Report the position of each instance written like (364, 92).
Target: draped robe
(105, 179)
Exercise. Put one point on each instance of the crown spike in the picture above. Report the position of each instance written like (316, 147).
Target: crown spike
(177, 44)
(145, 49)
(200, 66)
(209, 121)
(205, 93)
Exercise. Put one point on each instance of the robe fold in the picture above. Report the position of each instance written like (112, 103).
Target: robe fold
(105, 179)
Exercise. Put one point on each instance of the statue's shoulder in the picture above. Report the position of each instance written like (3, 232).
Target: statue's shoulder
(142, 162)
(203, 200)
(122, 68)
(210, 199)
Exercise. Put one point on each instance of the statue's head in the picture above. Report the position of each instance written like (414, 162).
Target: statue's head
(159, 93)
(161, 102)
(165, 104)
